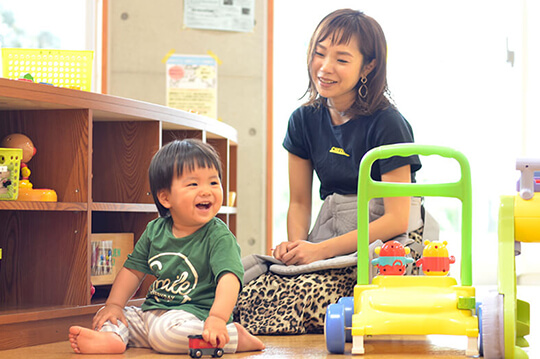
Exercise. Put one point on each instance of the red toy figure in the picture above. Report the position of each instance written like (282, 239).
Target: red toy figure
(392, 260)
(435, 259)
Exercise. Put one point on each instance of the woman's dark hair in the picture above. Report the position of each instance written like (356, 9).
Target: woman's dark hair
(173, 159)
(341, 26)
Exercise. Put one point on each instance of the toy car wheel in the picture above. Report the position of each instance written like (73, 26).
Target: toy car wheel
(195, 353)
(491, 321)
(348, 309)
(334, 328)
(218, 353)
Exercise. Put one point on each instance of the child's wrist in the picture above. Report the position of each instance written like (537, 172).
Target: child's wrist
(114, 305)
(213, 315)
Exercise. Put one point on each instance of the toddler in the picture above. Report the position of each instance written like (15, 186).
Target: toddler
(194, 257)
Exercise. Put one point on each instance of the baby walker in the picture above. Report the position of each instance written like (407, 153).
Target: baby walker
(433, 304)
(406, 305)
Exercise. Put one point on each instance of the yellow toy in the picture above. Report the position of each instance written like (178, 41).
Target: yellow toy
(407, 305)
(435, 259)
(26, 191)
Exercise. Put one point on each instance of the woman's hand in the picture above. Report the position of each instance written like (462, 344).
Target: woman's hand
(110, 312)
(215, 331)
(299, 252)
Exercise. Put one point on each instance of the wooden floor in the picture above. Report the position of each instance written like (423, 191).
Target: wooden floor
(313, 345)
(282, 347)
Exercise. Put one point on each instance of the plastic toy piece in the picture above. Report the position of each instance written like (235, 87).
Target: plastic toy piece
(435, 259)
(199, 347)
(527, 167)
(392, 260)
(403, 305)
(10, 163)
(516, 313)
(26, 191)
(491, 321)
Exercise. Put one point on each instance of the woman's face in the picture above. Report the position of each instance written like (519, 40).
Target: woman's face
(335, 70)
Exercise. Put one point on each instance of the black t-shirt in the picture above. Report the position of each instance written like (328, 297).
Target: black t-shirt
(335, 151)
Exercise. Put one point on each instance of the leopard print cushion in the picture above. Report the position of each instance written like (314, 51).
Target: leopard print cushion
(274, 304)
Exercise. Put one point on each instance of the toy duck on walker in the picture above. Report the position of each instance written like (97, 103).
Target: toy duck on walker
(26, 190)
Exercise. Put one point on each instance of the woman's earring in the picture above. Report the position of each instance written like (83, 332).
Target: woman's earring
(363, 90)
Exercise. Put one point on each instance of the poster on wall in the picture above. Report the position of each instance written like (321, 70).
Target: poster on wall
(226, 15)
(192, 84)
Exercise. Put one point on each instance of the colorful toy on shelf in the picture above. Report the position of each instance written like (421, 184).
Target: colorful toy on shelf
(506, 319)
(435, 259)
(392, 258)
(26, 190)
(199, 347)
(27, 78)
(398, 306)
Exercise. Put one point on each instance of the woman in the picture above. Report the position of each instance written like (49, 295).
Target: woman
(346, 115)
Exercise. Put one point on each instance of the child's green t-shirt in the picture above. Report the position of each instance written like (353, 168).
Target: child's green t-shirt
(187, 269)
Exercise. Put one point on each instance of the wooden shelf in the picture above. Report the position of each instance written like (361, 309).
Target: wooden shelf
(94, 151)
(124, 207)
(42, 206)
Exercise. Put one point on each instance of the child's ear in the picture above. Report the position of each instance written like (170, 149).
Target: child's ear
(163, 197)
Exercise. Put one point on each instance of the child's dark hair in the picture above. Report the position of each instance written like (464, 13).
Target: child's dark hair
(173, 159)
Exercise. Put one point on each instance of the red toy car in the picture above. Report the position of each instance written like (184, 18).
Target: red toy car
(199, 347)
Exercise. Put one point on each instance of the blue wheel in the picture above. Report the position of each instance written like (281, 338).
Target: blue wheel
(348, 308)
(334, 328)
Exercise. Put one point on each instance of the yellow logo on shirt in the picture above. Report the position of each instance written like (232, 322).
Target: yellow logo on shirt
(338, 151)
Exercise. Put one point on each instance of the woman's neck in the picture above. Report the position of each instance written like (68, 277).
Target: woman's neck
(338, 111)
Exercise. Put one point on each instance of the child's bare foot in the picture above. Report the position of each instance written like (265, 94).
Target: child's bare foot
(88, 341)
(246, 341)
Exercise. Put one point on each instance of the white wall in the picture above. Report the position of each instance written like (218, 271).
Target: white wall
(143, 32)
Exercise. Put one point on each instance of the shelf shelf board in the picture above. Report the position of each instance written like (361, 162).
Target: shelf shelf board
(96, 206)
(11, 316)
(43, 206)
(21, 95)
(124, 207)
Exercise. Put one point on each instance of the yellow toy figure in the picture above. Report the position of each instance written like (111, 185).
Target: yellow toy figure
(435, 259)
(26, 191)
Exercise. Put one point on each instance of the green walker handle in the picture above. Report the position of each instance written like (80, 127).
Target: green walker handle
(368, 189)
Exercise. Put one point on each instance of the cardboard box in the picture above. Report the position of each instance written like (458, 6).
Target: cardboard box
(109, 252)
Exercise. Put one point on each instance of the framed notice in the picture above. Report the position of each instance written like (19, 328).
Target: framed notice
(192, 84)
(225, 15)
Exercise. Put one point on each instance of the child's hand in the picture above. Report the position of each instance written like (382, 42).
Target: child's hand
(215, 331)
(110, 312)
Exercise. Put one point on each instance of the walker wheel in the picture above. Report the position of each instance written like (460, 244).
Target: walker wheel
(348, 309)
(334, 328)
